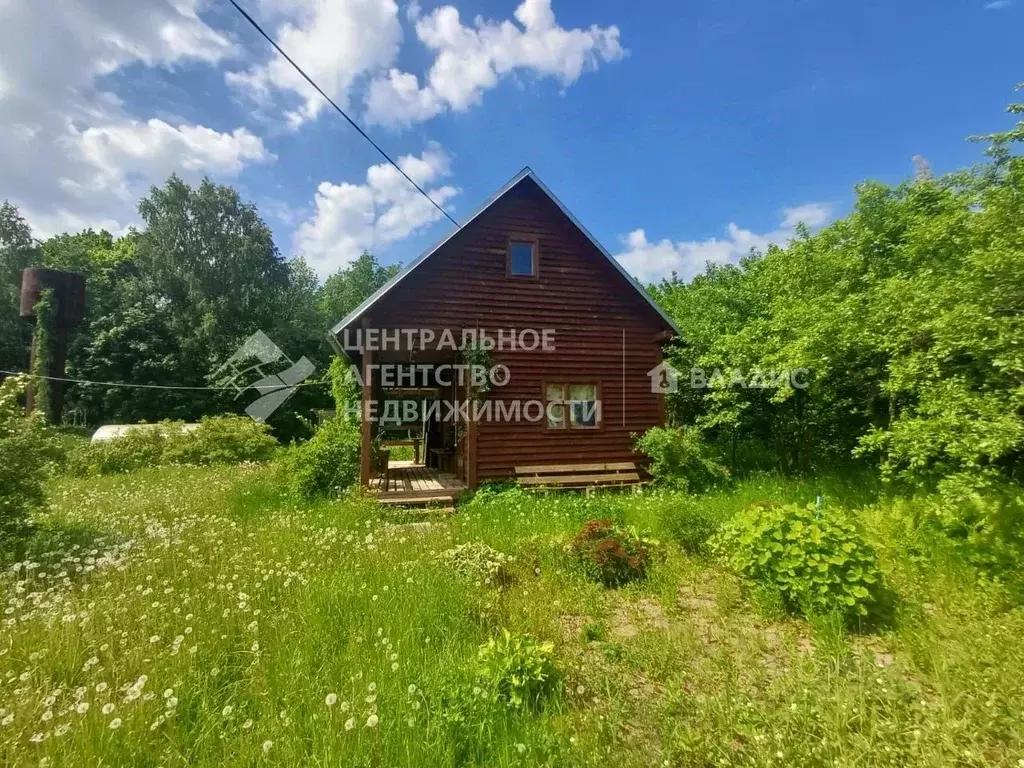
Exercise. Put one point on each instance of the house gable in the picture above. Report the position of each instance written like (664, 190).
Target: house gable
(423, 294)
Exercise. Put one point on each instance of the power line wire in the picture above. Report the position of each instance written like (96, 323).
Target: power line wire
(127, 385)
(340, 111)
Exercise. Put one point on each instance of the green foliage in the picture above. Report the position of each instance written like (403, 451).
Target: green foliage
(23, 458)
(817, 559)
(217, 440)
(328, 463)
(690, 522)
(519, 670)
(479, 563)
(680, 459)
(907, 314)
(44, 340)
(610, 553)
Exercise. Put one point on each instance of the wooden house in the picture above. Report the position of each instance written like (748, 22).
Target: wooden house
(575, 339)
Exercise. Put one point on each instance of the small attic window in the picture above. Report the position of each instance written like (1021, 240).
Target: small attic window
(522, 258)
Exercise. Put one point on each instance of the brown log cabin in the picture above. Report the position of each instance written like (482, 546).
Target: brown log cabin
(521, 263)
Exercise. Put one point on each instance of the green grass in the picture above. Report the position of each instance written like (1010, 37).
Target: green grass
(247, 609)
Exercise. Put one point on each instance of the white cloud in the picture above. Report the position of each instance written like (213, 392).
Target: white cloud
(812, 215)
(649, 262)
(72, 155)
(996, 5)
(156, 149)
(351, 218)
(335, 42)
(471, 60)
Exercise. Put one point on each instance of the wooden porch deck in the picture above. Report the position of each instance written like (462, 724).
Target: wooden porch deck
(415, 484)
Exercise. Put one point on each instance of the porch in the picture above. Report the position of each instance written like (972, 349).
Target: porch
(407, 483)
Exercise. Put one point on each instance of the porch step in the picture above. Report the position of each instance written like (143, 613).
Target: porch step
(414, 499)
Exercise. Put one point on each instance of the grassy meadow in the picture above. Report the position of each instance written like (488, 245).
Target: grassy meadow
(184, 616)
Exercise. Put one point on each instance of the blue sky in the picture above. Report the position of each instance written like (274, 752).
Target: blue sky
(677, 132)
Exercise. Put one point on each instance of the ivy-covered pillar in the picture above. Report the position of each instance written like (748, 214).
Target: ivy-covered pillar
(54, 302)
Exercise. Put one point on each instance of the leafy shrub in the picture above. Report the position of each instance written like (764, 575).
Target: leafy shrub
(217, 440)
(478, 562)
(23, 456)
(817, 559)
(518, 669)
(221, 440)
(680, 459)
(327, 463)
(690, 523)
(611, 554)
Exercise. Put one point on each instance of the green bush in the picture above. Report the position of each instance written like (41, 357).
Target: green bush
(221, 440)
(680, 459)
(217, 440)
(327, 463)
(478, 562)
(519, 670)
(817, 559)
(611, 554)
(690, 523)
(23, 458)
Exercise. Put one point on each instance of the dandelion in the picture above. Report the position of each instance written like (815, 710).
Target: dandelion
(247, 724)
(115, 723)
(101, 687)
(226, 712)
(172, 702)
(61, 729)
(394, 666)
(371, 687)
(8, 719)
(108, 708)
(168, 693)
(331, 700)
(267, 745)
(371, 721)
(82, 707)
(412, 688)
(344, 706)
(350, 724)
(47, 716)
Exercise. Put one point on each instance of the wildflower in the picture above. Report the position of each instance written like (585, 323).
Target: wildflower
(82, 708)
(344, 706)
(331, 700)
(168, 693)
(47, 716)
(371, 721)
(101, 687)
(172, 702)
(412, 688)
(350, 724)
(8, 719)
(394, 666)
(247, 724)
(228, 709)
(61, 729)
(115, 723)
(371, 687)
(267, 745)
(108, 708)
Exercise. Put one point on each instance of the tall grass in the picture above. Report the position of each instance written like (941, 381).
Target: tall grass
(206, 617)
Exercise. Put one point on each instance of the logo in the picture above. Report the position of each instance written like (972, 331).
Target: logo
(275, 388)
(664, 379)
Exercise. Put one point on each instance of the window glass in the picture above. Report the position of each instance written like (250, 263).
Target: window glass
(521, 259)
(556, 413)
(583, 405)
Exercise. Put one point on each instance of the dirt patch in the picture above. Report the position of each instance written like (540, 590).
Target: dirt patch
(630, 619)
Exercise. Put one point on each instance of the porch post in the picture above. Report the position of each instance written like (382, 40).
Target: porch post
(471, 435)
(365, 455)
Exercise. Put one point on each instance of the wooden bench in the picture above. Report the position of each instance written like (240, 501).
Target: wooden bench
(567, 476)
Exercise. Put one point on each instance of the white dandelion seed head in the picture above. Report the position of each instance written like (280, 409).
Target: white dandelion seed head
(331, 700)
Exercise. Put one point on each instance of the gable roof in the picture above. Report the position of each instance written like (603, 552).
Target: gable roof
(526, 173)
